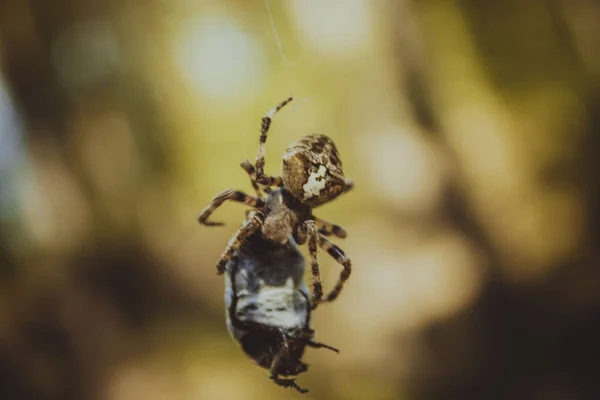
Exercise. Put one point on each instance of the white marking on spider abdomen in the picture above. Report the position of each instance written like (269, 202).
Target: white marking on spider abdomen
(315, 183)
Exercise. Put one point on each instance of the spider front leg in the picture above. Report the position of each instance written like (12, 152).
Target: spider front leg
(262, 146)
(249, 168)
(328, 229)
(308, 230)
(228, 195)
(251, 171)
(339, 255)
(252, 224)
(348, 185)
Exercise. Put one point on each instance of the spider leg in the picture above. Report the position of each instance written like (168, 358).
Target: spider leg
(251, 171)
(349, 183)
(327, 228)
(251, 225)
(339, 255)
(228, 195)
(308, 231)
(249, 168)
(262, 148)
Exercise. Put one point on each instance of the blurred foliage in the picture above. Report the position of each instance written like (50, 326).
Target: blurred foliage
(470, 128)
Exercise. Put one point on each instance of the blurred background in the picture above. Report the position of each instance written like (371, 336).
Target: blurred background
(470, 128)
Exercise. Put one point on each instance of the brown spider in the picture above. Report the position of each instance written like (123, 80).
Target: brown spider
(267, 300)
(311, 176)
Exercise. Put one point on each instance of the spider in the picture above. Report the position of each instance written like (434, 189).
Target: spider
(311, 176)
(267, 300)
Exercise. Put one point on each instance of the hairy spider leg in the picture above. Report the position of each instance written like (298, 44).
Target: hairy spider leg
(249, 168)
(327, 228)
(349, 185)
(251, 225)
(339, 255)
(262, 147)
(308, 231)
(311, 229)
(228, 195)
(251, 171)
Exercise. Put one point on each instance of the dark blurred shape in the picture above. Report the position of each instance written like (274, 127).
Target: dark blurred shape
(517, 344)
(69, 315)
(66, 338)
(537, 341)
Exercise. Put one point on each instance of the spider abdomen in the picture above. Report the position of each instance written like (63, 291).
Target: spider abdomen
(312, 170)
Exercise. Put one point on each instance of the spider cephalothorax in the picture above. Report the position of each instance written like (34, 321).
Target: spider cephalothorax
(266, 296)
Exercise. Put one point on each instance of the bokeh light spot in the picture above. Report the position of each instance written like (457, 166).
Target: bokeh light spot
(333, 27)
(218, 58)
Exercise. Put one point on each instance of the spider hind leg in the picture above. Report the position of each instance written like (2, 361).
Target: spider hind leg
(252, 224)
(341, 257)
(228, 195)
(308, 231)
